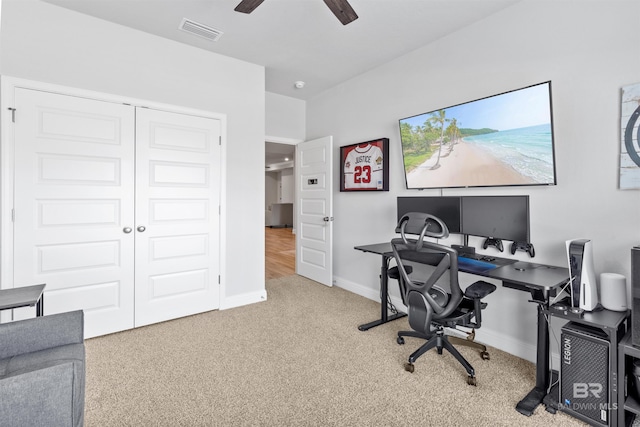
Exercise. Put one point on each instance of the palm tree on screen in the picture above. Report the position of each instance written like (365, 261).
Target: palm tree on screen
(453, 128)
(439, 118)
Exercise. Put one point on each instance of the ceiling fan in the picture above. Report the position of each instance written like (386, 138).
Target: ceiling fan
(341, 8)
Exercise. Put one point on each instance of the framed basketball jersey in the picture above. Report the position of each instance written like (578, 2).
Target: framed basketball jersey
(365, 166)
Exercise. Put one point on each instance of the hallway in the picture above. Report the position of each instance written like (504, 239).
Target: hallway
(280, 252)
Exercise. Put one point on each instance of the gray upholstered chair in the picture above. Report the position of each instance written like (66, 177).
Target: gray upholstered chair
(42, 371)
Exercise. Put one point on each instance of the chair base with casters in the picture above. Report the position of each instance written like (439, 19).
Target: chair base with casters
(440, 341)
(469, 342)
(469, 308)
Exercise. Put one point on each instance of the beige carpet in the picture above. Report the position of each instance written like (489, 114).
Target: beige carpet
(297, 359)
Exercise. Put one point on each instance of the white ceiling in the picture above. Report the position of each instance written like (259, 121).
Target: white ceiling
(299, 39)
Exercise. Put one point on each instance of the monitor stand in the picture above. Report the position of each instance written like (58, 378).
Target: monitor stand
(464, 248)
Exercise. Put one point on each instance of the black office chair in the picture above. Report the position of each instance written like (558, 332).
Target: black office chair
(431, 307)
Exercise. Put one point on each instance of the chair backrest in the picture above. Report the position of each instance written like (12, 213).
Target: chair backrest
(422, 224)
(443, 259)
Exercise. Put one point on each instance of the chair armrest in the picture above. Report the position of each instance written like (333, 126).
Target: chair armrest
(394, 272)
(479, 290)
(476, 291)
(41, 333)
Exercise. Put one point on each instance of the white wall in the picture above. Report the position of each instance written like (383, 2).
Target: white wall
(588, 50)
(272, 184)
(51, 44)
(287, 183)
(285, 117)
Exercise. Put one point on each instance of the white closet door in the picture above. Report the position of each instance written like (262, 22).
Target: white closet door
(177, 215)
(74, 173)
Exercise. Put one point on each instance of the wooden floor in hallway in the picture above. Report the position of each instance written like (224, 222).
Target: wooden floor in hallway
(280, 252)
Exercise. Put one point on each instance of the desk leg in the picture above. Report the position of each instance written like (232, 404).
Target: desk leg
(40, 306)
(527, 405)
(384, 293)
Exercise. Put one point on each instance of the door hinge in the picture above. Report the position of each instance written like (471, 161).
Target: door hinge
(220, 140)
(218, 280)
(13, 114)
(13, 215)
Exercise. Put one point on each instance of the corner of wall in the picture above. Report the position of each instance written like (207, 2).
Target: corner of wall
(243, 299)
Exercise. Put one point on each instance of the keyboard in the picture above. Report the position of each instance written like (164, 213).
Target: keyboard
(474, 265)
(477, 257)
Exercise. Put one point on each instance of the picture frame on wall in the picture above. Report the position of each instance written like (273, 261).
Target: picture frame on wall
(629, 171)
(365, 166)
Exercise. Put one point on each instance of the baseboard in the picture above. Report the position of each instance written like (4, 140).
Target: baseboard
(484, 335)
(507, 344)
(356, 288)
(244, 299)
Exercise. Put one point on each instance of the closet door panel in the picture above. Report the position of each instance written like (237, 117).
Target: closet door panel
(177, 215)
(74, 180)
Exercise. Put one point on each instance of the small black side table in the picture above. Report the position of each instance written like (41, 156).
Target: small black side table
(27, 296)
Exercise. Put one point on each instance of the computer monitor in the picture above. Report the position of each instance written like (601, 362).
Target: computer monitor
(444, 207)
(497, 217)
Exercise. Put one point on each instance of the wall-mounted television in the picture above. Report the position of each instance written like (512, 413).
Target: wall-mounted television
(501, 140)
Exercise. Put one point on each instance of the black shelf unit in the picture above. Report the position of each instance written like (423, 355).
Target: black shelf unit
(630, 409)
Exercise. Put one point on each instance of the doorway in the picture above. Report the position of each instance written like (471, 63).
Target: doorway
(279, 207)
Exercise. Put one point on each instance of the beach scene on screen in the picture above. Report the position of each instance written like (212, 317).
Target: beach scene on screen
(501, 140)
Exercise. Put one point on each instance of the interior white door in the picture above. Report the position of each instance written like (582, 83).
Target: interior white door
(314, 236)
(177, 215)
(73, 203)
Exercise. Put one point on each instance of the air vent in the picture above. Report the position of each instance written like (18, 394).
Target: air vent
(200, 30)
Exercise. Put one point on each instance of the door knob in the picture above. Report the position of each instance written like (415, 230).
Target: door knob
(141, 228)
(127, 230)
(327, 219)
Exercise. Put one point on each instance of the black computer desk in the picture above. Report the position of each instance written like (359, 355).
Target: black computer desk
(540, 280)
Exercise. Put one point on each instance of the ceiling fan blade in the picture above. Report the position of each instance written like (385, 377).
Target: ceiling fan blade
(343, 10)
(248, 6)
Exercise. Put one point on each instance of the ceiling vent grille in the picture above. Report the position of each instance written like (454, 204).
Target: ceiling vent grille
(200, 30)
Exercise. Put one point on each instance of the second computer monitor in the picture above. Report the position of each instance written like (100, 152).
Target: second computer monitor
(498, 217)
(445, 208)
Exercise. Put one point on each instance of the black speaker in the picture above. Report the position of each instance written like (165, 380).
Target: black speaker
(584, 374)
(635, 296)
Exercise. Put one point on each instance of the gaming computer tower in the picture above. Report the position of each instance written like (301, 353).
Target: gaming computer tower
(585, 367)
